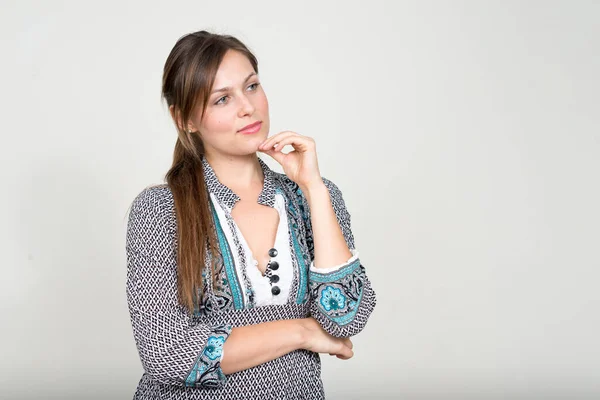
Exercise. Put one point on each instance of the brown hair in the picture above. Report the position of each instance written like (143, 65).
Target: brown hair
(188, 78)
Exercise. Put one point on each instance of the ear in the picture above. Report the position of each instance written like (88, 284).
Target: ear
(175, 115)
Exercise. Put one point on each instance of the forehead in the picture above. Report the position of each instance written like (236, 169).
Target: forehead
(234, 68)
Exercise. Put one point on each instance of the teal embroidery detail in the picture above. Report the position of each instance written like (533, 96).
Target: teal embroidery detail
(302, 284)
(238, 300)
(347, 318)
(206, 372)
(197, 371)
(214, 347)
(332, 298)
(335, 276)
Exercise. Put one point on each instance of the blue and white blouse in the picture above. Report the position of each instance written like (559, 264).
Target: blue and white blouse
(181, 353)
(261, 284)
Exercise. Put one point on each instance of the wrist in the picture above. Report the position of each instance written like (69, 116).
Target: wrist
(314, 190)
(303, 332)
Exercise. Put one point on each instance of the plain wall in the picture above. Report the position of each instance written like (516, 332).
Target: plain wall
(464, 136)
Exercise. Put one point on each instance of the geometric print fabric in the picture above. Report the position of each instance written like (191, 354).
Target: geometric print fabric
(177, 351)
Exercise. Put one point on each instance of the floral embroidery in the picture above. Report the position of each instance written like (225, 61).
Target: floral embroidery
(332, 298)
(207, 372)
(214, 347)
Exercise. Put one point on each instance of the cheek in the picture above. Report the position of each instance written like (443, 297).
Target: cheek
(218, 123)
(263, 103)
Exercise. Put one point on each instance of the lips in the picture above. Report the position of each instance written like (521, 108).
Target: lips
(250, 127)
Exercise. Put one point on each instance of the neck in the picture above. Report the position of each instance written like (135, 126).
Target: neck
(239, 173)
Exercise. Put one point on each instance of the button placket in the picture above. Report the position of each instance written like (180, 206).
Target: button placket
(273, 265)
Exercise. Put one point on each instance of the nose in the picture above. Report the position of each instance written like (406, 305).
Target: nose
(246, 106)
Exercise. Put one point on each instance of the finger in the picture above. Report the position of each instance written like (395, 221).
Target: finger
(268, 144)
(344, 350)
(348, 342)
(277, 155)
(302, 143)
(345, 353)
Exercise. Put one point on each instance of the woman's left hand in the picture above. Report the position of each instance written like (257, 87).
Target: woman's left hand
(300, 164)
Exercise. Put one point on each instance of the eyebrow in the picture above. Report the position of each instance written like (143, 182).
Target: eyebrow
(225, 89)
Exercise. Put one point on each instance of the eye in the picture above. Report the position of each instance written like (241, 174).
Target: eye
(219, 101)
(255, 85)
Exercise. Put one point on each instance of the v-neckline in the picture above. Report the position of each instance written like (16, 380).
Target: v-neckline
(247, 245)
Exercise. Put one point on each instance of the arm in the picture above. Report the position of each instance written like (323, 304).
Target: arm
(341, 294)
(173, 349)
(251, 345)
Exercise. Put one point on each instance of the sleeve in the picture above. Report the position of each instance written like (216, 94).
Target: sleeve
(336, 267)
(342, 298)
(173, 348)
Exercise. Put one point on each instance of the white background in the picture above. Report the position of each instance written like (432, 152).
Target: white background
(465, 137)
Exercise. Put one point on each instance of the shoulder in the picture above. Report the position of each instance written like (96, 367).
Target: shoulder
(153, 206)
(335, 193)
(333, 188)
(155, 198)
(155, 195)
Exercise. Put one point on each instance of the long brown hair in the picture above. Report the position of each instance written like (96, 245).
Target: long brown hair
(188, 78)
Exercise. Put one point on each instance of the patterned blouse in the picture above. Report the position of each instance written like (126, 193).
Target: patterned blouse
(181, 354)
(279, 271)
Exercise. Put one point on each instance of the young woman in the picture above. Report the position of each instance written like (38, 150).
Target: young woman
(238, 276)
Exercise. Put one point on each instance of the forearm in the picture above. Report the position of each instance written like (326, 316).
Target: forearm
(330, 247)
(252, 345)
(342, 298)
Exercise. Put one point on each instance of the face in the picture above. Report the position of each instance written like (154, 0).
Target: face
(243, 103)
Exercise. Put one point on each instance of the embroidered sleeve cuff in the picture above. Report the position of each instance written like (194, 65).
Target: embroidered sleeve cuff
(336, 267)
(337, 295)
(207, 371)
(343, 300)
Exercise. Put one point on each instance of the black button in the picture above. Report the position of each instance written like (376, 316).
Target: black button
(274, 278)
(274, 265)
(275, 290)
(273, 252)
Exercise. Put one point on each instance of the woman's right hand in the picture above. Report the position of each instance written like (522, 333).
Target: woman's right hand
(316, 339)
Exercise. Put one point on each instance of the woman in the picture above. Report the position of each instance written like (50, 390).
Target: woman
(238, 276)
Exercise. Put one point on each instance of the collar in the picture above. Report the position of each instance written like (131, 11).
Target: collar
(228, 197)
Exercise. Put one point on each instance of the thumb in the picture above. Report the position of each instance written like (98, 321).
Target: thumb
(277, 155)
(344, 352)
